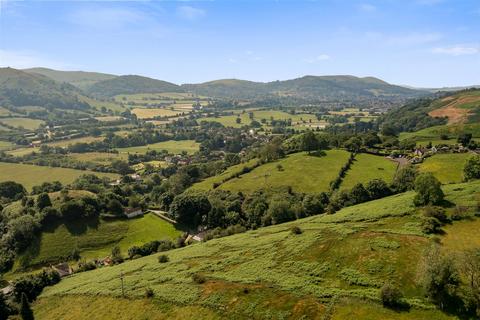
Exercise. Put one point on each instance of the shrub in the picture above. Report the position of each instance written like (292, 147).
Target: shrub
(296, 230)
(436, 212)
(431, 225)
(390, 295)
(472, 168)
(149, 293)
(198, 278)
(163, 258)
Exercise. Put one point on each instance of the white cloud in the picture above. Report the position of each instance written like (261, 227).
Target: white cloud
(413, 39)
(190, 13)
(367, 7)
(28, 59)
(457, 50)
(106, 18)
(321, 57)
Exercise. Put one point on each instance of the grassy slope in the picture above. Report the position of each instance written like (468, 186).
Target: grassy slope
(171, 146)
(258, 115)
(367, 167)
(448, 168)
(26, 123)
(31, 175)
(432, 134)
(271, 273)
(302, 172)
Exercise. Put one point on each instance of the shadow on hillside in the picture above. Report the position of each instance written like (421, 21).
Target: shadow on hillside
(80, 226)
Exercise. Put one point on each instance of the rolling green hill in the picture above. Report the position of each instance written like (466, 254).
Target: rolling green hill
(332, 270)
(308, 87)
(19, 88)
(80, 79)
(131, 84)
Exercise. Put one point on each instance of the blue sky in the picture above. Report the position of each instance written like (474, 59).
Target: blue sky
(427, 43)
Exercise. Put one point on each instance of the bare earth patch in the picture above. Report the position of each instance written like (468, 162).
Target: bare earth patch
(452, 110)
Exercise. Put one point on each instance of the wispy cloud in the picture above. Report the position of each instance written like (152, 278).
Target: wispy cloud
(106, 18)
(28, 59)
(320, 57)
(367, 7)
(190, 13)
(458, 50)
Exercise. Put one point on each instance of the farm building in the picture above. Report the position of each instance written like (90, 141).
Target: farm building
(132, 212)
(63, 269)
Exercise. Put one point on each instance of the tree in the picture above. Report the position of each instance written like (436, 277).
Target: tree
(377, 189)
(117, 256)
(312, 204)
(471, 170)
(464, 139)
(238, 120)
(25, 311)
(121, 167)
(428, 190)
(4, 308)
(115, 207)
(72, 210)
(391, 296)
(280, 211)
(43, 201)
(359, 194)
(11, 190)
(405, 178)
(309, 141)
(189, 208)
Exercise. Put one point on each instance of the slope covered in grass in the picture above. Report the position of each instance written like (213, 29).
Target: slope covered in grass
(271, 272)
(367, 167)
(448, 167)
(302, 172)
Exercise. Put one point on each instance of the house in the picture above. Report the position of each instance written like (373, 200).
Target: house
(418, 153)
(132, 212)
(63, 269)
(136, 177)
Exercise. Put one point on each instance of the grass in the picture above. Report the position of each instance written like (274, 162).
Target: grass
(144, 113)
(4, 145)
(31, 175)
(270, 273)
(172, 146)
(95, 239)
(367, 167)
(432, 134)
(448, 167)
(302, 172)
(258, 115)
(26, 123)
(98, 157)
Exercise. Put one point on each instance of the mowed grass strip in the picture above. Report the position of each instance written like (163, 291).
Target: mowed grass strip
(26, 123)
(367, 167)
(302, 172)
(447, 167)
(172, 146)
(31, 175)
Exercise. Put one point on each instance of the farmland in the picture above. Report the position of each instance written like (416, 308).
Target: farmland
(144, 113)
(31, 175)
(433, 134)
(347, 255)
(302, 172)
(448, 168)
(175, 147)
(26, 123)
(368, 167)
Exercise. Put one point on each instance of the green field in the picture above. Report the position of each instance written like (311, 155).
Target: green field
(447, 167)
(150, 113)
(31, 175)
(367, 167)
(98, 157)
(4, 145)
(271, 273)
(172, 146)
(95, 239)
(258, 115)
(26, 123)
(432, 134)
(302, 172)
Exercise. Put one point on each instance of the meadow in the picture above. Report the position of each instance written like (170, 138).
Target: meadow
(172, 146)
(302, 172)
(337, 263)
(448, 167)
(31, 175)
(367, 167)
(149, 113)
(5, 145)
(98, 157)
(432, 134)
(26, 123)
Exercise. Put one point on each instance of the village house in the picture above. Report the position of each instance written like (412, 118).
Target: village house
(63, 269)
(132, 212)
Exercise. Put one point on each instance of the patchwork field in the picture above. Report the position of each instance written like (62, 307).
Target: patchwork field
(26, 123)
(98, 157)
(30, 175)
(258, 115)
(448, 168)
(367, 167)
(95, 239)
(172, 146)
(144, 113)
(433, 134)
(304, 173)
(338, 263)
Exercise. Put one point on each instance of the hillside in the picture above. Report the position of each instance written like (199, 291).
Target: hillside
(19, 88)
(131, 84)
(307, 87)
(332, 270)
(80, 79)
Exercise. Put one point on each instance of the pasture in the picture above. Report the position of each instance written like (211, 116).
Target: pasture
(433, 134)
(150, 113)
(172, 146)
(302, 172)
(447, 167)
(31, 175)
(98, 157)
(5, 145)
(338, 262)
(367, 167)
(26, 123)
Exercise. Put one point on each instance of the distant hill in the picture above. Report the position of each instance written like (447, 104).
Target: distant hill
(80, 79)
(131, 84)
(308, 87)
(19, 88)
